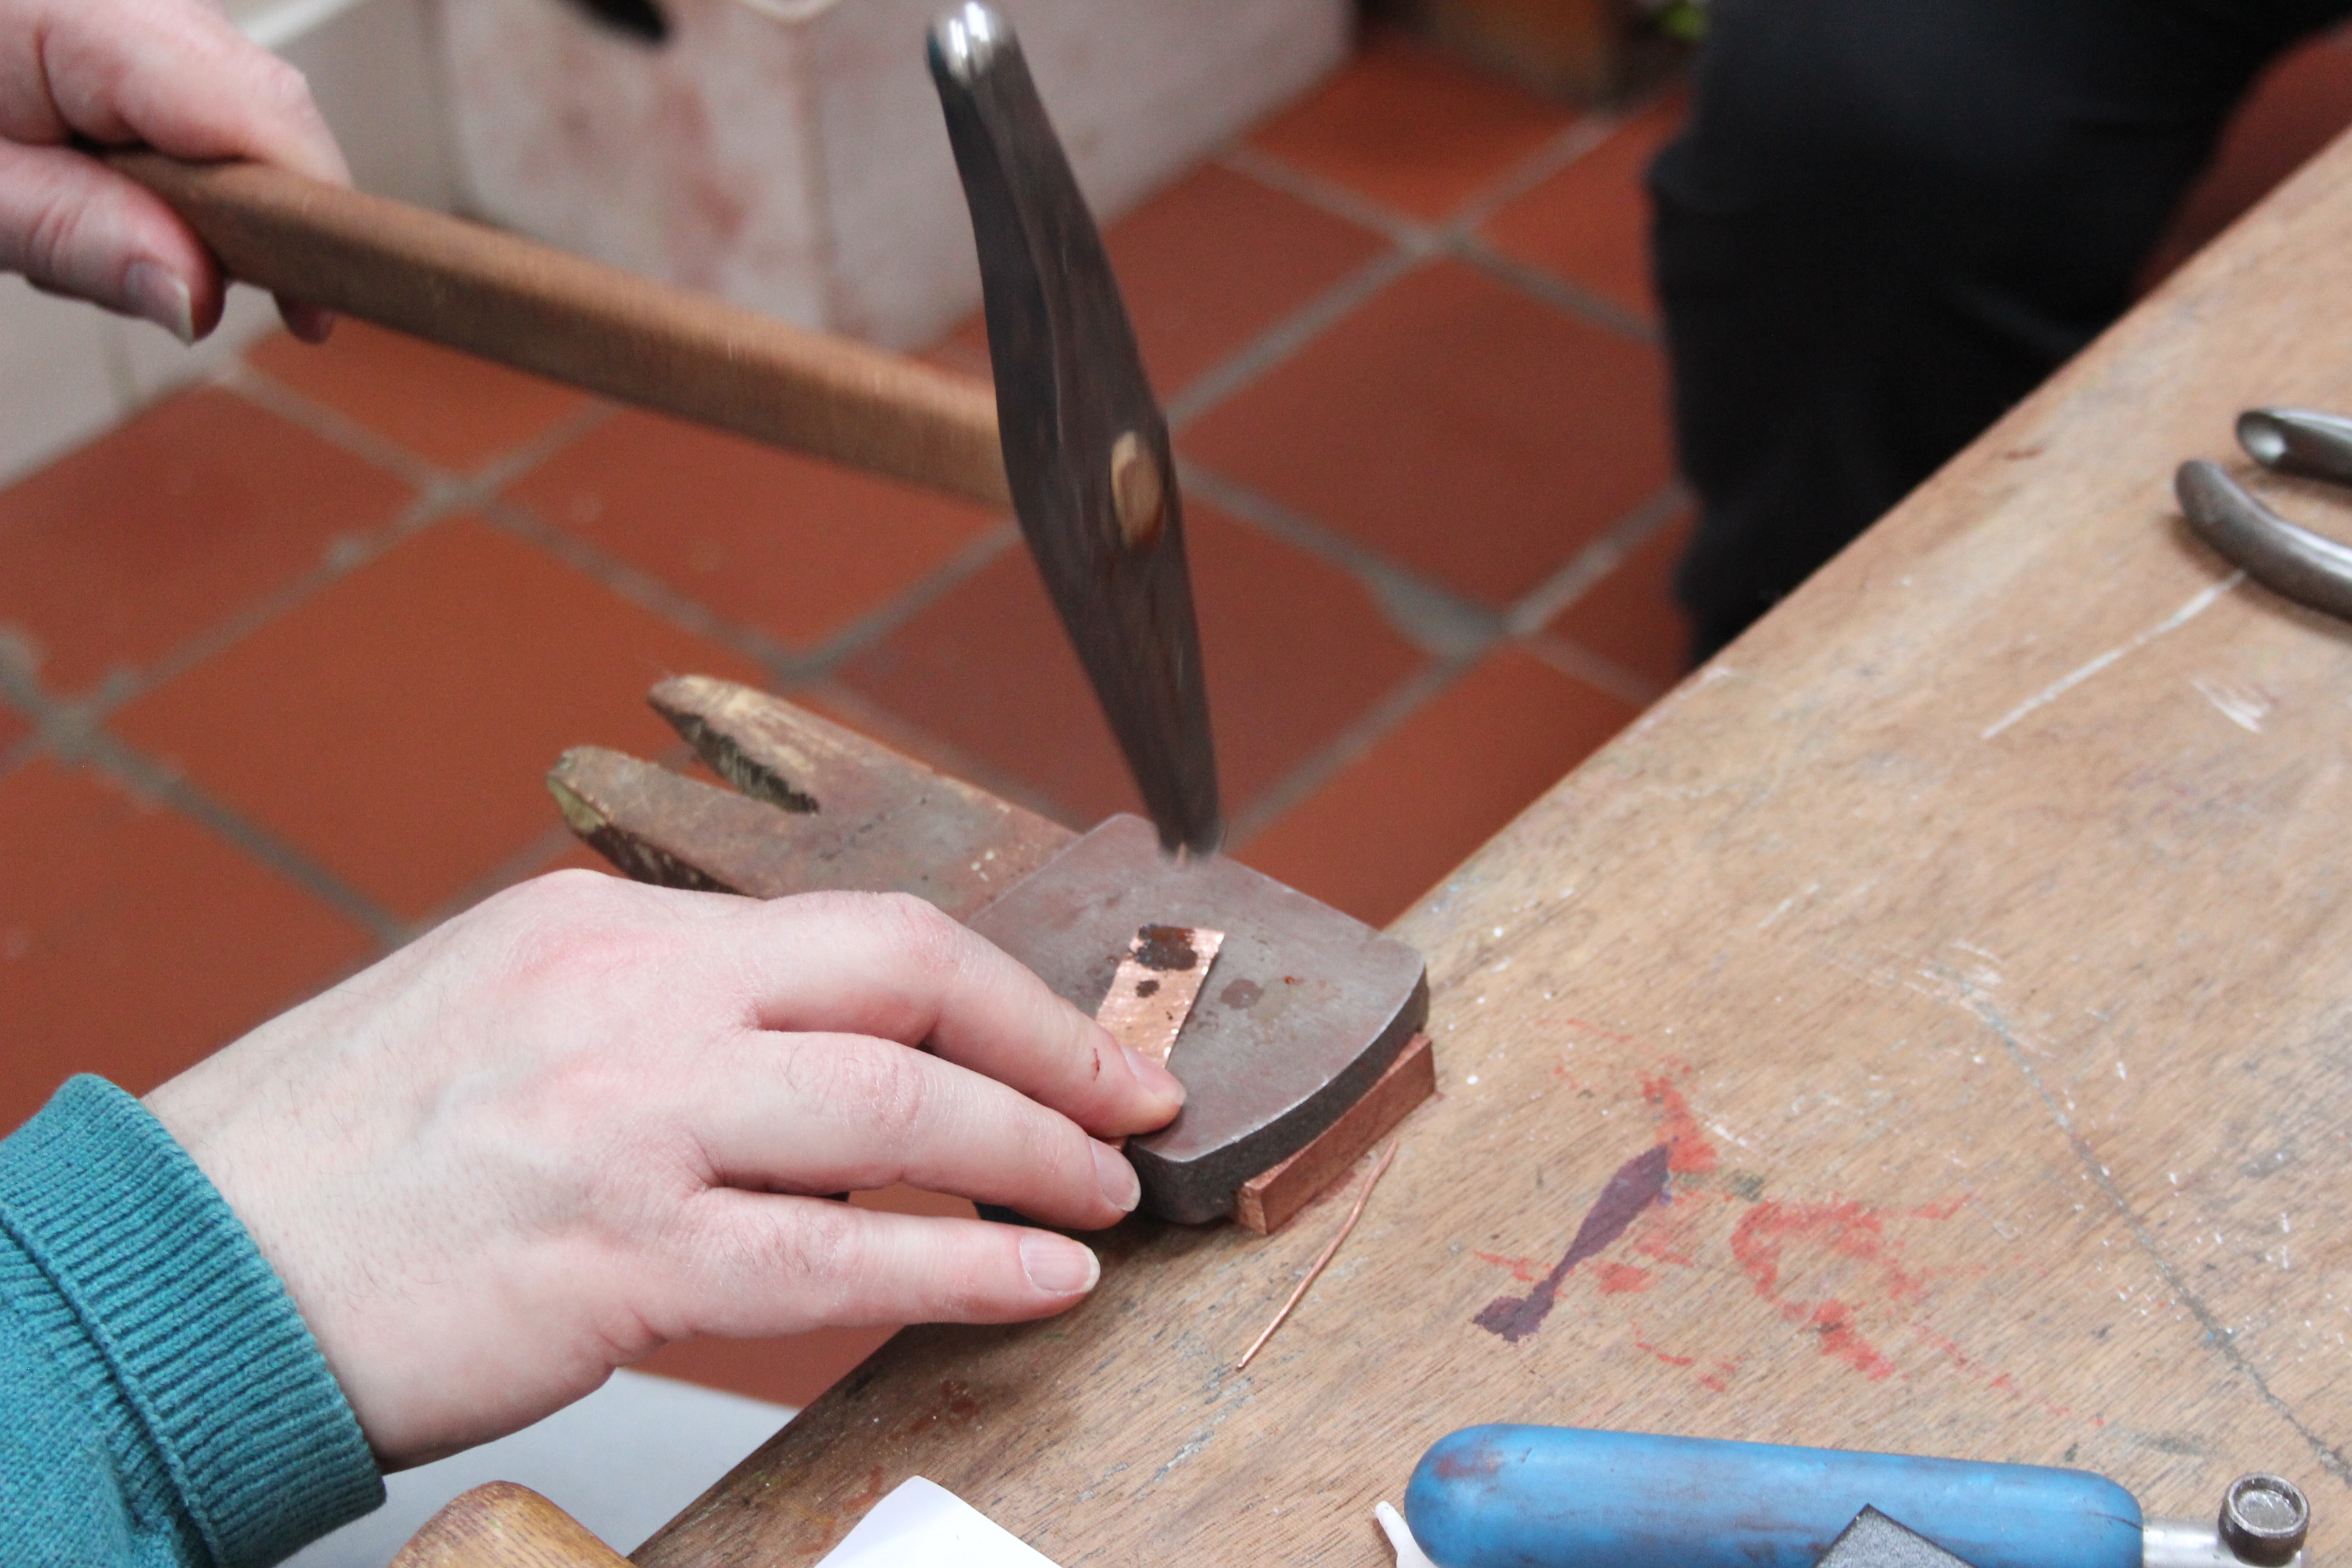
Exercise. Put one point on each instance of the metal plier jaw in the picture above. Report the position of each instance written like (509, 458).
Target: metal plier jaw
(2290, 560)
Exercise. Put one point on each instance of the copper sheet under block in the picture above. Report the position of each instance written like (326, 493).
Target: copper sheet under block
(1265, 1203)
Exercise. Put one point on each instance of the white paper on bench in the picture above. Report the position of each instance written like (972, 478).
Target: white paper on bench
(924, 1525)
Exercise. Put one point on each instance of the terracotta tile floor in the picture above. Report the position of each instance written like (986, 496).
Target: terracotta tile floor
(282, 661)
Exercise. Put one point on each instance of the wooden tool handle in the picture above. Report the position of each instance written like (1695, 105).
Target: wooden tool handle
(543, 310)
(502, 1525)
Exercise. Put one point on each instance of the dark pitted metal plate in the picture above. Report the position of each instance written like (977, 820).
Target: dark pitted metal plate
(1304, 1008)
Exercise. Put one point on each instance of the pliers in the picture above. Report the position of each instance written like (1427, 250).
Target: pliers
(2304, 566)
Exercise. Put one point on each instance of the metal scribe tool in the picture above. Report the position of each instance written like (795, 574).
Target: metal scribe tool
(1489, 1496)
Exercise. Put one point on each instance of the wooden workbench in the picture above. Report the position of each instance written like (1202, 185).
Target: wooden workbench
(1974, 935)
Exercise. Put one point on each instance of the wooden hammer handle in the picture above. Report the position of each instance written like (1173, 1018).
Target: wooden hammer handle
(544, 311)
(502, 1525)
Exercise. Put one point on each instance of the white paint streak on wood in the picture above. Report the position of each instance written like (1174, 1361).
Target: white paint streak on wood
(2203, 600)
(2241, 705)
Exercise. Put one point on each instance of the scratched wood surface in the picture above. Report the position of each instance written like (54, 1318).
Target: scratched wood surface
(1972, 937)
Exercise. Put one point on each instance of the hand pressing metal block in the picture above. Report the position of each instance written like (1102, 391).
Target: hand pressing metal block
(1299, 1052)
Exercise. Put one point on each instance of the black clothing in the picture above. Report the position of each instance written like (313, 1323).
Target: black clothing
(1888, 220)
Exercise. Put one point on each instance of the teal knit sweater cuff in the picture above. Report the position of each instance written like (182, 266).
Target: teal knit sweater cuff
(191, 1329)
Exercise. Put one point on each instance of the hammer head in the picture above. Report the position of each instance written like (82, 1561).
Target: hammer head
(1086, 449)
(1302, 1010)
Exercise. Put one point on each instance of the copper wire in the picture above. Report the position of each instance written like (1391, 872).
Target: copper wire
(1353, 1215)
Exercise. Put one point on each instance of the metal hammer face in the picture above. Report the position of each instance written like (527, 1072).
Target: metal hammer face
(1085, 446)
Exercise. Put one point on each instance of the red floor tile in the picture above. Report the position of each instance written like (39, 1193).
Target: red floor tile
(796, 1368)
(987, 668)
(1413, 128)
(133, 942)
(13, 727)
(450, 409)
(2297, 107)
(793, 546)
(1215, 259)
(1630, 617)
(1204, 267)
(170, 525)
(1294, 652)
(396, 727)
(1457, 426)
(1590, 223)
(1395, 821)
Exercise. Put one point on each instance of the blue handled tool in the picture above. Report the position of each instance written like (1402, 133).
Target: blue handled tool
(1561, 1497)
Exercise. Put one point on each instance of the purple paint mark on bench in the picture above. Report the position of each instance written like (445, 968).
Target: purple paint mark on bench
(1639, 1182)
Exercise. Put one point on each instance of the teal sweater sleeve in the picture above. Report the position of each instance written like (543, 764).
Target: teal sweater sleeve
(161, 1402)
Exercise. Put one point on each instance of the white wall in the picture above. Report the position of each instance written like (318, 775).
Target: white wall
(69, 372)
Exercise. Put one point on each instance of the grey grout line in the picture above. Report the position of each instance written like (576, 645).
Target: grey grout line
(21, 693)
(926, 746)
(495, 476)
(439, 498)
(337, 429)
(1330, 197)
(784, 665)
(909, 601)
(1582, 664)
(332, 426)
(1433, 619)
(72, 729)
(344, 554)
(1287, 337)
(1458, 236)
(642, 589)
(1571, 143)
(1596, 560)
(1353, 743)
(1453, 631)
(71, 733)
(1565, 298)
(143, 775)
(121, 685)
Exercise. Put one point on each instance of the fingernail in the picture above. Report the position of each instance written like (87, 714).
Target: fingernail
(1120, 1187)
(1057, 1265)
(1156, 1080)
(161, 298)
